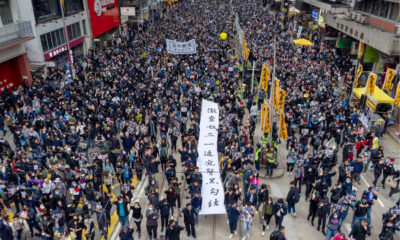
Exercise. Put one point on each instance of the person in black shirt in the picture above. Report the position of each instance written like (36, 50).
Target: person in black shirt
(173, 230)
(189, 218)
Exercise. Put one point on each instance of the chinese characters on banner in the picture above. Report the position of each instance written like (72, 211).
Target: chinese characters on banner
(212, 191)
(265, 75)
(397, 98)
(174, 47)
(361, 50)
(370, 87)
(358, 75)
(282, 127)
(276, 91)
(389, 78)
(280, 101)
(265, 118)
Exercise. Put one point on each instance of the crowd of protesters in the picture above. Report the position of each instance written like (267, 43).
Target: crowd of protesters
(139, 108)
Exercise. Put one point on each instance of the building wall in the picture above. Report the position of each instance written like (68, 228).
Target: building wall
(34, 47)
(381, 24)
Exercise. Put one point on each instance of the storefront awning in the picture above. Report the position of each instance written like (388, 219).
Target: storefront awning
(379, 95)
(302, 42)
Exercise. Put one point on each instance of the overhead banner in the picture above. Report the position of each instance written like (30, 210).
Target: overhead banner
(212, 191)
(280, 101)
(181, 48)
(371, 83)
(389, 78)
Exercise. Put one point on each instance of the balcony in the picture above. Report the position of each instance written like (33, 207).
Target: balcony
(11, 35)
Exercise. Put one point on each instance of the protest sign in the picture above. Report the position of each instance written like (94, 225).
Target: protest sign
(180, 48)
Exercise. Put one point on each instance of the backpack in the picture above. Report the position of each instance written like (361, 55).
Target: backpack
(296, 197)
(275, 235)
(163, 152)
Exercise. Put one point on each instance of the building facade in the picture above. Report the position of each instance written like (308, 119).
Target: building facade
(14, 33)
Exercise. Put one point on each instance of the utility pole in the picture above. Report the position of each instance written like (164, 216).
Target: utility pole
(252, 77)
(70, 58)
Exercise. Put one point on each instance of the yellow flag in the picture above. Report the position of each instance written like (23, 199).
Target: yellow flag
(282, 127)
(361, 50)
(389, 78)
(265, 75)
(358, 75)
(280, 101)
(276, 92)
(370, 87)
(397, 98)
(265, 118)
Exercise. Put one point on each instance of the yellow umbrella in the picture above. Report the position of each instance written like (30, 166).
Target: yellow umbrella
(302, 42)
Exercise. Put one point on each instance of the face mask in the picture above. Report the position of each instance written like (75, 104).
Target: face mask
(335, 216)
(150, 209)
(120, 201)
(74, 185)
(348, 181)
(339, 187)
(57, 193)
(269, 202)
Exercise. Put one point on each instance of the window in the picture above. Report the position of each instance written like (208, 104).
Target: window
(46, 9)
(5, 13)
(84, 26)
(72, 6)
(394, 13)
(74, 31)
(52, 40)
(377, 7)
(384, 11)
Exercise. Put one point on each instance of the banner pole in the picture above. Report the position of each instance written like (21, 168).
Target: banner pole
(214, 227)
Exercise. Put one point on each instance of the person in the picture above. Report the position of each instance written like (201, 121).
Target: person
(268, 210)
(361, 209)
(278, 234)
(271, 158)
(164, 210)
(360, 230)
(395, 187)
(332, 226)
(322, 213)
(173, 230)
(89, 228)
(126, 233)
(122, 210)
(312, 211)
(262, 195)
(388, 231)
(340, 236)
(280, 210)
(196, 203)
(102, 221)
(189, 215)
(251, 197)
(247, 216)
(292, 198)
(257, 157)
(233, 212)
(137, 216)
(152, 216)
(371, 196)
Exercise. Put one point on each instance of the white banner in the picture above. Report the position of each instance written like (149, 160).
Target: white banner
(174, 47)
(212, 191)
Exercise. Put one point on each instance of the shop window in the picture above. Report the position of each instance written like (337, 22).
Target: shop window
(377, 7)
(52, 40)
(5, 13)
(394, 12)
(72, 6)
(46, 9)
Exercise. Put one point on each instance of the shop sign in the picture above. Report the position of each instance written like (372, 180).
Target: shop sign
(314, 15)
(104, 15)
(128, 11)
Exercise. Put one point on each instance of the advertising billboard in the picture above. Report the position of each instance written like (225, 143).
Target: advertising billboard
(104, 15)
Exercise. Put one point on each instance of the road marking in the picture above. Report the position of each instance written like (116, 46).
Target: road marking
(391, 142)
(366, 183)
(115, 232)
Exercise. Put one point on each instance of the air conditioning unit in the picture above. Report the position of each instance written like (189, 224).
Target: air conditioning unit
(354, 16)
(348, 15)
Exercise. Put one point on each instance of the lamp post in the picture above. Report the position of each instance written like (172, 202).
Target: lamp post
(70, 57)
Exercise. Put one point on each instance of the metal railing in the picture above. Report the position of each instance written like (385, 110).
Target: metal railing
(15, 32)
